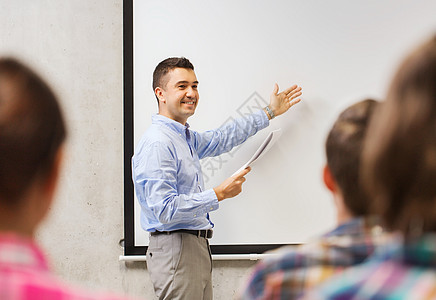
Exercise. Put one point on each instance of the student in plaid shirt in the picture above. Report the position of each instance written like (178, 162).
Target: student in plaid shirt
(399, 171)
(32, 132)
(291, 270)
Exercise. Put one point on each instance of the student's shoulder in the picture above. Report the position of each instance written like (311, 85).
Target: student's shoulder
(284, 258)
(292, 257)
(49, 286)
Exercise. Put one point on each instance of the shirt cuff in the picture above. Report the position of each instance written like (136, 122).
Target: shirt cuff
(261, 119)
(214, 204)
(210, 201)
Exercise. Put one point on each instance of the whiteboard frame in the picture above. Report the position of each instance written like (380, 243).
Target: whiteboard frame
(360, 75)
(244, 251)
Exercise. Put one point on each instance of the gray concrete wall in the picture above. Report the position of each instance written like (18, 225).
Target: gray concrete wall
(77, 46)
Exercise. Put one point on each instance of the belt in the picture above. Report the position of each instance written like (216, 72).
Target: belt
(200, 233)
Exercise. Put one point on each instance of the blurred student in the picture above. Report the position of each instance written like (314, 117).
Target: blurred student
(32, 133)
(292, 270)
(399, 172)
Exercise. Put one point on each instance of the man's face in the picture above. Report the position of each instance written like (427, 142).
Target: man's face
(179, 97)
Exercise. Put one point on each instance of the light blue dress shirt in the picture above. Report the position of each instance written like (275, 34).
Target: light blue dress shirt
(167, 172)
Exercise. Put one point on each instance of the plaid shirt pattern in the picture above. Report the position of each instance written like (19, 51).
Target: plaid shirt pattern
(24, 274)
(397, 271)
(291, 270)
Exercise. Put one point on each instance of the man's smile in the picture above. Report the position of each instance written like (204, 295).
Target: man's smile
(189, 102)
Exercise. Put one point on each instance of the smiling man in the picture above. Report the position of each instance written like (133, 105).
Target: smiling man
(180, 97)
(169, 183)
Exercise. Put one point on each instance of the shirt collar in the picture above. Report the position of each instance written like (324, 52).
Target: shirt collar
(352, 226)
(420, 251)
(173, 125)
(18, 250)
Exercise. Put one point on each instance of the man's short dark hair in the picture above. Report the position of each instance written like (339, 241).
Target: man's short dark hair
(166, 66)
(32, 129)
(344, 146)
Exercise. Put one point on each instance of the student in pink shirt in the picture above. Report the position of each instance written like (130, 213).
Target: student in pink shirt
(32, 132)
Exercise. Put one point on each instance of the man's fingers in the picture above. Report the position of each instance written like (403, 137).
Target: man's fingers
(240, 180)
(276, 89)
(290, 89)
(243, 172)
(293, 102)
(294, 92)
(293, 96)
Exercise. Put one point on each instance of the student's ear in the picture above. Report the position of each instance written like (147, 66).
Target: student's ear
(329, 181)
(159, 94)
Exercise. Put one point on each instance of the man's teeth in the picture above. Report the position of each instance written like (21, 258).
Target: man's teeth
(190, 102)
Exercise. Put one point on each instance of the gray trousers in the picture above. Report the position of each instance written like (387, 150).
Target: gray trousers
(180, 266)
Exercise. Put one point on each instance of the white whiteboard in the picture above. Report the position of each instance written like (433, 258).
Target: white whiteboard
(339, 51)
